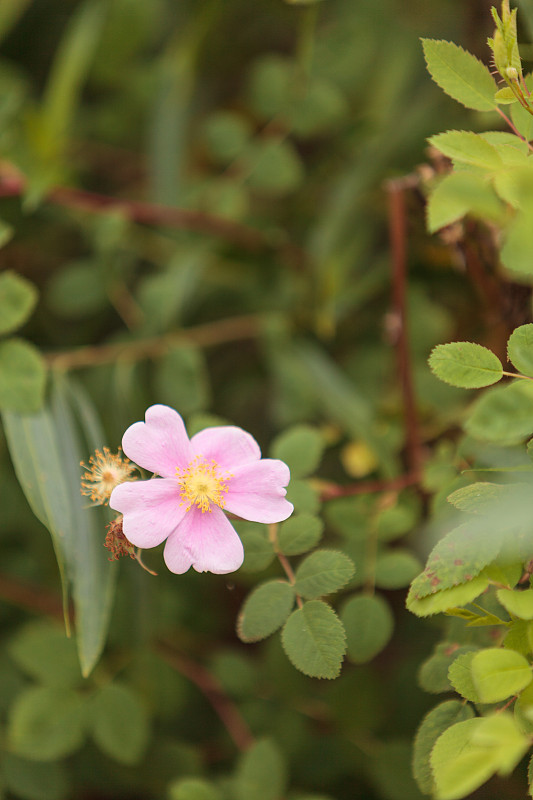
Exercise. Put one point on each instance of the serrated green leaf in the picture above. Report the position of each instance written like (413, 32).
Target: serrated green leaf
(369, 624)
(314, 640)
(323, 572)
(447, 598)
(520, 349)
(299, 534)
(498, 673)
(476, 498)
(465, 364)
(460, 676)
(46, 723)
(396, 569)
(461, 193)
(42, 651)
(261, 774)
(18, 298)
(22, 377)
(118, 723)
(469, 752)
(460, 74)
(505, 95)
(517, 603)
(432, 726)
(457, 558)
(301, 448)
(503, 414)
(467, 148)
(265, 610)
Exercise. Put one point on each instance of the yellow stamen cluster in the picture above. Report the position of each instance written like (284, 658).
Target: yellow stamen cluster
(104, 471)
(202, 484)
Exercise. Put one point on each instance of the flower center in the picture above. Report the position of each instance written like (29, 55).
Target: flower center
(202, 484)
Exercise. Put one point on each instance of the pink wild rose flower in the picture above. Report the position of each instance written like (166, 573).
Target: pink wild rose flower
(217, 470)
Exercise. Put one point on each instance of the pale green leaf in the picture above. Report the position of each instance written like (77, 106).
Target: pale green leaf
(369, 624)
(46, 723)
(193, 789)
(265, 610)
(323, 572)
(261, 773)
(301, 448)
(476, 498)
(503, 414)
(18, 298)
(396, 569)
(447, 598)
(498, 673)
(520, 349)
(460, 676)
(433, 673)
(314, 640)
(118, 722)
(467, 148)
(432, 726)
(505, 95)
(22, 377)
(461, 193)
(35, 780)
(518, 603)
(460, 74)
(465, 364)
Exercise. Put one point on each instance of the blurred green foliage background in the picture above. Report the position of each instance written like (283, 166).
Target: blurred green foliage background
(197, 190)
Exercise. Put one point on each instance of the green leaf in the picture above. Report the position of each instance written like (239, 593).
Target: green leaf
(42, 651)
(505, 95)
(469, 752)
(265, 610)
(447, 598)
(314, 640)
(465, 364)
(503, 414)
(274, 167)
(460, 676)
(396, 569)
(18, 298)
(515, 251)
(258, 549)
(460, 74)
(369, 625)
(193, 789)
(432, 726)
(520, 349)
(476, 498)
(22, 377)
(517, 603)
(34, 780)
(391, 772)
(303, 496)
(299, 534)
(467, 148)
(433, 674)
(226, 134)
(457, 558)
(301, 448)
(461, 193)
(323, 572)
(46, 723)
(261, 774)
(499, 673)
(79, 290)
(119, 723)
(46, 451)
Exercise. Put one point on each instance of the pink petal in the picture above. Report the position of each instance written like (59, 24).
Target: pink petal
(208, 542)
(160, 444)
(228, 446)
(256, 491)
(151, 509)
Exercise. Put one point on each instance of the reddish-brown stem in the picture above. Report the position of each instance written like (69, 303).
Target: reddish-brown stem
(370, 487)
(13, 185)
(513, 127)
(283, 560)
(31, 597)
(398, 244)
(207, 335)
(226, 710)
